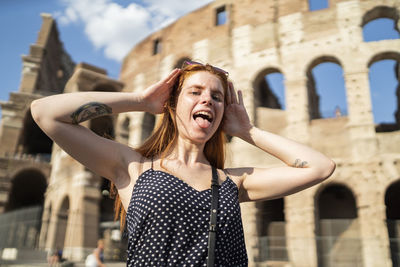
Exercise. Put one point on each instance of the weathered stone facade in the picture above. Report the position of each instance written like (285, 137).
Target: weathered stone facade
(345, 221)
(261, 37)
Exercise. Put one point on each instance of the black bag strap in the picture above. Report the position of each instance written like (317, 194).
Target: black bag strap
(212, 232)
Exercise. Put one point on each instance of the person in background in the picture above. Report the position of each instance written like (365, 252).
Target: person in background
(96, 258)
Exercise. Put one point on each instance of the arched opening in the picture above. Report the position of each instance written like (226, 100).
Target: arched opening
(269, 89)
(27, 189)
(62, 223)
(326, 89)
(384, 73)
(148, 123)
(271, 231)
(21, 222)
(392, 202)
(269, 100)
(337, 227)
(124, 130)
(33, 140)
(380, 23)
(314, 5)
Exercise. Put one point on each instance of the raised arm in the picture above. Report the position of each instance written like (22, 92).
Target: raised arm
(59, 117)
(304, 166)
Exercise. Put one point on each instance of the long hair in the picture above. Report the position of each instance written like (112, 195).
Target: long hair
(166, 132)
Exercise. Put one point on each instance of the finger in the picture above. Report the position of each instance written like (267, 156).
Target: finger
(172, 76)
(228, 94)
(240, 94)
(234, 97)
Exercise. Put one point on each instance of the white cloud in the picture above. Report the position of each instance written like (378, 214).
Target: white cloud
(115, 28)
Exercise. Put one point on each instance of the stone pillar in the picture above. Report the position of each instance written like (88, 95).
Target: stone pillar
(361, 126)
(297, 108)
(200, 50)
(300, 229)
(83, 221)
(50, 240)
(373, 229)
(249, 220)
(45, 226)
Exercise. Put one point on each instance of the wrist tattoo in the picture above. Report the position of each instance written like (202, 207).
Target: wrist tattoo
(300, 164)
(90, 111)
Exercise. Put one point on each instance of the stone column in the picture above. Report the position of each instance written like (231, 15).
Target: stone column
(249, 220)
(51, 230)
(45, 226)
(373, 229)
(297, 108)
(83, 222)
(361, 126)
(300, 229)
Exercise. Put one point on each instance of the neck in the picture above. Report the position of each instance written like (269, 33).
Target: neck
(187, 152)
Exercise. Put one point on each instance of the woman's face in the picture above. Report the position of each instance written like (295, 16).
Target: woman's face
(200, 106)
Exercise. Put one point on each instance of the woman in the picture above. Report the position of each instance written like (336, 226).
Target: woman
(165, 184)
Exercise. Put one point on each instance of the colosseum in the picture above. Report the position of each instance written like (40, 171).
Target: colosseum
(351, 219)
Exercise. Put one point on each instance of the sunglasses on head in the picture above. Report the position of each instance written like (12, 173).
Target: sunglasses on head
(188, 62)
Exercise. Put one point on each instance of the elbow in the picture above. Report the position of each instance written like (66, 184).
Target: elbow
(38, 113)
(328, 169)
(35, 111)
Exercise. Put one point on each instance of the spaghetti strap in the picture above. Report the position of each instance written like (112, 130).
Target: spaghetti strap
(151, 162)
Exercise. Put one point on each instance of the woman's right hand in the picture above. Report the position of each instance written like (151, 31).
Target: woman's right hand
(155, 96)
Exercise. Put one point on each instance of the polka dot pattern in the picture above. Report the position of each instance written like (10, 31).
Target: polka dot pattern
(167, 222)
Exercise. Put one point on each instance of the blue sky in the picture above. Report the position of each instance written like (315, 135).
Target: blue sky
(95, 31)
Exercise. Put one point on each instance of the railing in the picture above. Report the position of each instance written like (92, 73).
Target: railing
(41, 157)
(20, 228)
(332, 251)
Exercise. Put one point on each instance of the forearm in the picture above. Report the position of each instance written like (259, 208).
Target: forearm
(78, 107)
(290, 152)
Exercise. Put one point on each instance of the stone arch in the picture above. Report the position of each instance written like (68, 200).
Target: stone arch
(148, 124)
(337, 228)
(270, 224)
(27, 189)
(392, 202)
(381, 12)
(33, 140)
(388, 55)
(62, 222)
(315, 94)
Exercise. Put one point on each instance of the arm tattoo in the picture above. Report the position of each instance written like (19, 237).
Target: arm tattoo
(300, 164)
(90, 111)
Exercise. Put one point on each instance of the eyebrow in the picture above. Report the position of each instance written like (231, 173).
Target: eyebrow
(198, 86)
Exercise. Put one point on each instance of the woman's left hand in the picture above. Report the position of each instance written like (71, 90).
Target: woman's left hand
(236, 120)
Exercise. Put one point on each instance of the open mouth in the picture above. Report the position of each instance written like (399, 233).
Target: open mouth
(203, 118)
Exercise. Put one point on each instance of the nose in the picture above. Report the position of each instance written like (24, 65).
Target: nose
(206, 98)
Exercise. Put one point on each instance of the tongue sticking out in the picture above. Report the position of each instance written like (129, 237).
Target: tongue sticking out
(203, 123)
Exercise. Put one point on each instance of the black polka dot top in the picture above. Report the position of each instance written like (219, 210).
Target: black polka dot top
(167, 222)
